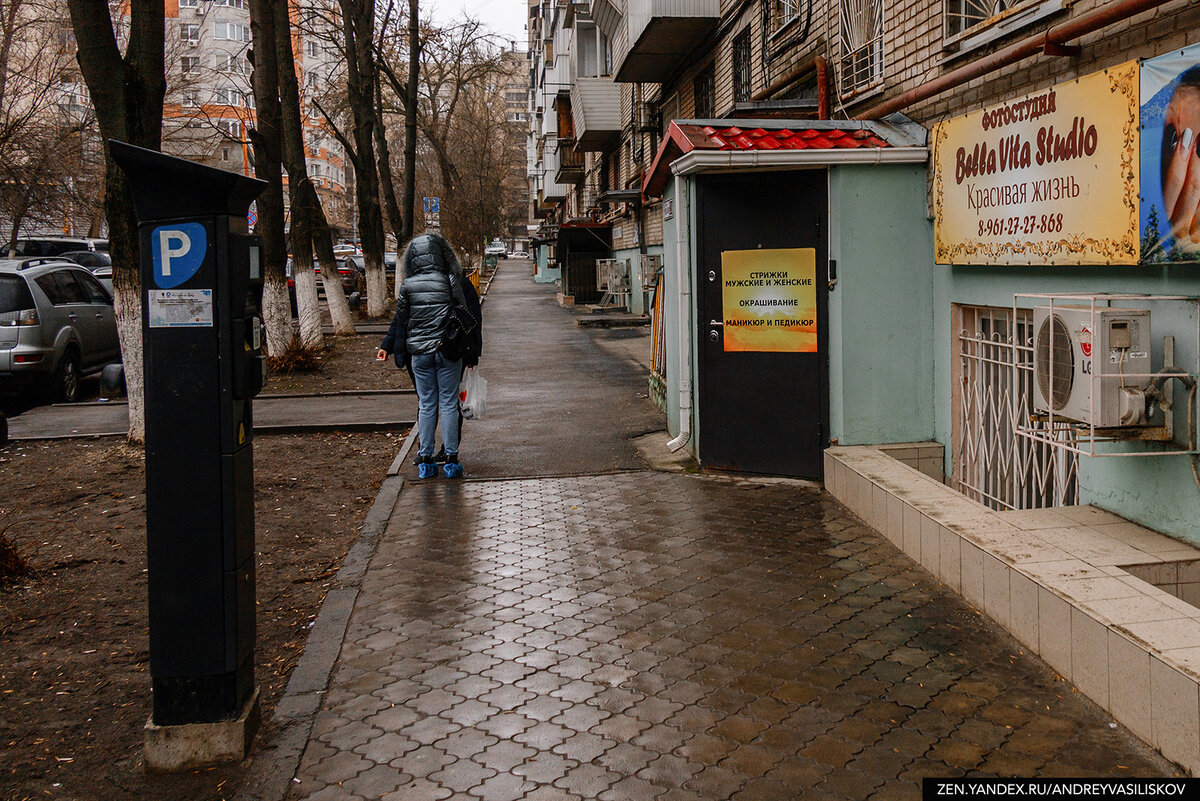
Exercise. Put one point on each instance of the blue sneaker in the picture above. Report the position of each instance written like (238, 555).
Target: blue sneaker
(452, 469)
(427, 468)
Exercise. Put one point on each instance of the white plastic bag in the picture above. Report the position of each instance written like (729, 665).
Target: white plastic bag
(472, 395)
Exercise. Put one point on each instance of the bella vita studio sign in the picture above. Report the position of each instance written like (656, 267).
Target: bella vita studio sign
(1049, 178)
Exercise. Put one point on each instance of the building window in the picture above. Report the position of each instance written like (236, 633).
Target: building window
(312, 48)
(742, 78)
(782, 13)
(189, 63)
(191, 97)
(189, 33)
(189, 3)
(231, 31)
(231, 128)
(704, 93)
(860, 39)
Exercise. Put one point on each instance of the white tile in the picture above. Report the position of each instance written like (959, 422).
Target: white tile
(931, 544)
(1033, 519)
(1089, 515)
(996, 589)
(1129, 685)
(1188, 571)
(1175, 715)
(1089, 656)
(827, 467)
(1189, 593)
(1095, 589)
(912, 522)
(1023, 609)
(1166, 635)
(1142, 609)
(1054, 573)
(950, 553)
(1054, 632)
(879, 516)
(972, 574)
(895, 518)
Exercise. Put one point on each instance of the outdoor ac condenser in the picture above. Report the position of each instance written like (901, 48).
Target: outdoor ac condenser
(1082, 360)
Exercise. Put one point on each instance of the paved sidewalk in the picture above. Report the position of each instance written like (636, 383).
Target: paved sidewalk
(645, 635)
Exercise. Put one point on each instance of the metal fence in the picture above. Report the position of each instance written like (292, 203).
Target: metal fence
(993, 465)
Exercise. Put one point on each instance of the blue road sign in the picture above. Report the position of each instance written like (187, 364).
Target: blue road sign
(178, 251)
(431, 205)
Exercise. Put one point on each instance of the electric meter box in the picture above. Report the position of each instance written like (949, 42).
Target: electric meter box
(1092, 366)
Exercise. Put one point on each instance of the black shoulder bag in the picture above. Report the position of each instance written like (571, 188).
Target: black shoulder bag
(457, 330)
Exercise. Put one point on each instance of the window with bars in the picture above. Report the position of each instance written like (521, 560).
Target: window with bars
(781, 13)
(704, 93)
(742, 78)
(860, 44)
(993, 390)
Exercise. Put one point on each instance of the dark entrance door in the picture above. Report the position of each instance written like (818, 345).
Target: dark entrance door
(760, 412)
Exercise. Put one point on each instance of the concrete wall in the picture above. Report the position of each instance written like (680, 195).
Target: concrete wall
(671, 313)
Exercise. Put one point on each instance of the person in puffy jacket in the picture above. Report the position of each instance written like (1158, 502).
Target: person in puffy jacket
(431, 284)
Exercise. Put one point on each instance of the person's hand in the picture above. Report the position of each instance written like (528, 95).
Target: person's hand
(1181, 182)
(381, 355)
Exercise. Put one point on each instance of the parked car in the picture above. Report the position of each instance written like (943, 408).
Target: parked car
(348, 271)
(92, 259)
(360, 264)
(56, 325)
(30, 247)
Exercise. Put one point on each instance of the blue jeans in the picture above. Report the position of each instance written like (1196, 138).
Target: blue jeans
(437, 388)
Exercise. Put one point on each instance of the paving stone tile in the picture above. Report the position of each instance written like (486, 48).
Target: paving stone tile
(567, 645)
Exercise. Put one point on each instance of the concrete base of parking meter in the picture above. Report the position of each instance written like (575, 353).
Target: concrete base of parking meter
(190, 746)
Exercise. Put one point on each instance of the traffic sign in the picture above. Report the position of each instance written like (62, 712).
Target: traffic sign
(432, 205)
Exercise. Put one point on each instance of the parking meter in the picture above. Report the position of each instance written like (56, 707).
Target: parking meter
(203, 362)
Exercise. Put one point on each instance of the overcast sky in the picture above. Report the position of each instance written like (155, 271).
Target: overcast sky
(505, 17)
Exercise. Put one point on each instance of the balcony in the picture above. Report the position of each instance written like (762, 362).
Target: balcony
(651, 38)
(570, 163)
(596, 111)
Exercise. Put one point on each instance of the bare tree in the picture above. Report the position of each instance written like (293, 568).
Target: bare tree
(127, 92)
(268, 165)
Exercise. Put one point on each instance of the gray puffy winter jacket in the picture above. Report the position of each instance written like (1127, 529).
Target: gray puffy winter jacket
(430, 280)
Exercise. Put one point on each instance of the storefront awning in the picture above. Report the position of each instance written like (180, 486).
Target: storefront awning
(703, 145)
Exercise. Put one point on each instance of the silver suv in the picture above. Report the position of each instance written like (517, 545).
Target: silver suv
(56, 324)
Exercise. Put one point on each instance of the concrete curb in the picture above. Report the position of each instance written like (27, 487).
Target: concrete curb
(269, 775)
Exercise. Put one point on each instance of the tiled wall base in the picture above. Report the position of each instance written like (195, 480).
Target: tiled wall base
(1075, 584)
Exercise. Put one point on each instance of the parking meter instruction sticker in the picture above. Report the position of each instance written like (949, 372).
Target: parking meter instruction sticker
(180, 308)
(178, 251)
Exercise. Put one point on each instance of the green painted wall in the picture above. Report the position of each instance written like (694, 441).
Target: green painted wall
(880, 312)
(546, 273)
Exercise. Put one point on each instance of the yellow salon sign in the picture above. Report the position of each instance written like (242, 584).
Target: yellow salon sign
(769, 300)
(1048, 178)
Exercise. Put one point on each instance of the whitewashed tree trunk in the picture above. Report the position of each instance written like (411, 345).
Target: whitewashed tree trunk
(307, 306)
(335, 296)
(127, 308)
(377, 293)
(277, 315)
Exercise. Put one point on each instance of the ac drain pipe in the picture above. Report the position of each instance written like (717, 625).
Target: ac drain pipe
(683, 278)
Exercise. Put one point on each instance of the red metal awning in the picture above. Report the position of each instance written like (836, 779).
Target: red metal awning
(684, 137)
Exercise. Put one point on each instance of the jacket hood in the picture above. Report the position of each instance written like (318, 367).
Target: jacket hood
(430, 253)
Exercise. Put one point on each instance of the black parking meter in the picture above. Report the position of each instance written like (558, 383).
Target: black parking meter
(201, 288)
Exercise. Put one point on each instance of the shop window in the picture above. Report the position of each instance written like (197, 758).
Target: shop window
(704, 93)
(860, 43)
(742, 78)
(992, 463)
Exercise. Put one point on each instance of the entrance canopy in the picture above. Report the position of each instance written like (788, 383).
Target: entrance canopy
(708, 145)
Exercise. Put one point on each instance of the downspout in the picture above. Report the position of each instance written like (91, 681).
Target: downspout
(1051, 42)
(683, 278)
(822, 67)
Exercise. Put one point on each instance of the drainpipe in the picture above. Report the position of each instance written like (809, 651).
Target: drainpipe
(683, 277)
(1051, 42)
(822, 67)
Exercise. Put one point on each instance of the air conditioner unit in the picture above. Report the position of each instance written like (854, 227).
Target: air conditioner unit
(651, 265)
(1081, 360)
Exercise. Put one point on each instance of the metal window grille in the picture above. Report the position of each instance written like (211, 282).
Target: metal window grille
(741, 67)
(704, 91)
(993, 465)
(964, 14)
(782, 12)
(861, 46)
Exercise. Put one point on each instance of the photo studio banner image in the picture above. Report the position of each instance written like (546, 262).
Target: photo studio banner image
(1170, 89)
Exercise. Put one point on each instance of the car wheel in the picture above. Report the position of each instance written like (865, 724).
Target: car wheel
(66, 378)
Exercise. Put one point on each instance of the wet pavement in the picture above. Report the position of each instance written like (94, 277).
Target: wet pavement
(649, 635)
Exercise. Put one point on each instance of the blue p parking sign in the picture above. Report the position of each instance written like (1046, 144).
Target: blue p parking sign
(177, 251)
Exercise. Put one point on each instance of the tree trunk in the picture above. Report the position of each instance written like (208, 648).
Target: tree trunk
(410, 123)
(127, 94)
(268, 165)
(387, 187)
(358, 19)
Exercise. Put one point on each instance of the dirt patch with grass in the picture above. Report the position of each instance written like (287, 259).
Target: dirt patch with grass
(74, 670)
(349, 364)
